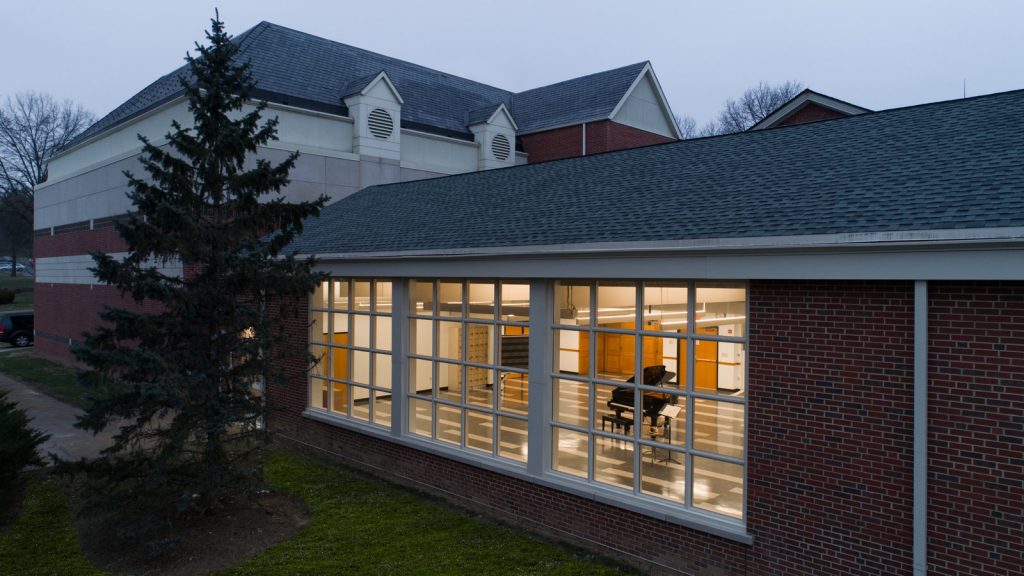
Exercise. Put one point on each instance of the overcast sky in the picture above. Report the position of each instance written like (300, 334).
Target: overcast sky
(877, 54)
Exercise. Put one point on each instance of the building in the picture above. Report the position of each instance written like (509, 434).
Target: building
(358, 119)
(827, 321)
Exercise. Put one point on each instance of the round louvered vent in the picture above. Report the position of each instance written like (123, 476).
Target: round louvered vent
(380, 123)
(500, 147)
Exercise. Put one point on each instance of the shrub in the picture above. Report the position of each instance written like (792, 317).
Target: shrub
(6, 296)
(18, 448)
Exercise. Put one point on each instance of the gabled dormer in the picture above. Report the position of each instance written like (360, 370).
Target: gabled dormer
(494, 131)
(645, 107)
(375, 107)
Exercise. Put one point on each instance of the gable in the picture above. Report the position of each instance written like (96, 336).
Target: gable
(644, 109)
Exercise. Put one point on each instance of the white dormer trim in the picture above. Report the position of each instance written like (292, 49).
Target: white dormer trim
(376, 104)
(801, 100)
(501, 109)
(380, 77)
(648, 70)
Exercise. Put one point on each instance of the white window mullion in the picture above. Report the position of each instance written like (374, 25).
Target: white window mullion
(399, 355)
(541, 362)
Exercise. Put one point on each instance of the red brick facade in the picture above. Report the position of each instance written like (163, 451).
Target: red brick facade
(602, 136)
(830, 439)
(976, 428)
(812, 113)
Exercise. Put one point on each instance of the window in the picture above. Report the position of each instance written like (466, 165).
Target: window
(350, 339)
(648, 389)
(468, 364)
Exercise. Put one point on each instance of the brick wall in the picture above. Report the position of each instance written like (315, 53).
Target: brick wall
(812, 113)
(603, 136)
(976, 428)
(830, 462)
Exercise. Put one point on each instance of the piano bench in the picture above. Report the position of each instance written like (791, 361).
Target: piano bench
(616, 421)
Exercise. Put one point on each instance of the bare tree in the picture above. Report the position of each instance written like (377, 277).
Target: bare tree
(33, 127)
(687, 126)
(753, 106)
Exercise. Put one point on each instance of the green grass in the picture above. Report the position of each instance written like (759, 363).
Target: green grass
(43, 541)
(358, 526)
(22, 300)
(362, 526)
(50, 378)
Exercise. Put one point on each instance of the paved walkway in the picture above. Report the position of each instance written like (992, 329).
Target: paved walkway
(57, 419)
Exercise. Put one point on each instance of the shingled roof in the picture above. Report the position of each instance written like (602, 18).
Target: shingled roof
(300, 69)
(947, 165)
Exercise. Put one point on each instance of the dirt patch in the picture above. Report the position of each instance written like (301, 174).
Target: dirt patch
(205, 543)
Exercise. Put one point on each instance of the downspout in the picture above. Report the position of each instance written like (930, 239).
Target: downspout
(584, 139)
(920, 427)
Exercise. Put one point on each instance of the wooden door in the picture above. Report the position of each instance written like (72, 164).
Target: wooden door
(339, 369)
(705, 357)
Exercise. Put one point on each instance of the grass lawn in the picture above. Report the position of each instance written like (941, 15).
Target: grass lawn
(358, 526)
(23, 300)
(50, 378)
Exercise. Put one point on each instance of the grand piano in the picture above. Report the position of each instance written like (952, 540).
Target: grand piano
(624, 400)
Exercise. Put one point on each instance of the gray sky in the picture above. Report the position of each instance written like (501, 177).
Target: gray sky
(872, 53)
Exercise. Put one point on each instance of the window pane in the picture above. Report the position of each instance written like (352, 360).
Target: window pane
(571, 403)
(669, 426)
(339, 289)
(616, 355)
(723, 307)
(339, 329)
(319, 298)
(382, 370)
(449, 381)
(361, 295)
(480, 386)
(421, 300)
(616, 305)
(449, 340)
(382, 336)
(319, 354)
(360, 367)
(665, 306)
(515, 347)
(613, 408)
(512, 441)
(573, 352)
(515, 392)
(719, 367)
(667, 352)
(361, 403)
(718, 486)
(449, 424)
(449, 299)
(613, 462)
(421, 337)
(572, 304)
(480, 431)
(360, 330)
(421, 380)
(382, 408)
(420, 416)
(718, 427)
(339, 398)
(339, 364)
(481, 300)
(382, 296)
(664, 475)
(318, 393)
(317, 326)
(515, 302)
(569, 451)
(480, 343)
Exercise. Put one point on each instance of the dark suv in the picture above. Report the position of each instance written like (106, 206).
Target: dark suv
(17, 328)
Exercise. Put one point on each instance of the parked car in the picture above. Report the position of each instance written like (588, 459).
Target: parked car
(6, 267)
(17, 328)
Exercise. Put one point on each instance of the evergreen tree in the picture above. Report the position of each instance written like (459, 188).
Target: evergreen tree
(180, 372)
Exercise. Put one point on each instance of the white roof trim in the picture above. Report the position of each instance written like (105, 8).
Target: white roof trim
(501, 108)
(381, 77)
(804, 98)
(649, 70)
(1014, 235)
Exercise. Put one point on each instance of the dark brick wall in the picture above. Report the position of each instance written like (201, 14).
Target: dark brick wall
(976, 428)
(830, 462)
(811, 113)
(603, 136)
(76, 242)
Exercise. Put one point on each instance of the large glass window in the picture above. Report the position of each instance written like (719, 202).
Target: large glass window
(350, 339)
(648, 389)
(469, 363)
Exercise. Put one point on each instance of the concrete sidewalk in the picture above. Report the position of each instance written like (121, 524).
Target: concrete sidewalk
(56, 419)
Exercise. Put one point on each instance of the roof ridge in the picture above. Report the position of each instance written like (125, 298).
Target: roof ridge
(592, 74)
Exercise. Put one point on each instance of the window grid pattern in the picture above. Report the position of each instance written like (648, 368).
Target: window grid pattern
(460, 346)
(588, 429)
(350, 341)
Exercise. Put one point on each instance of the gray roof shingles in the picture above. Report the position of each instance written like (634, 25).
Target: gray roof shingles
(948, 165)
(293, 67)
